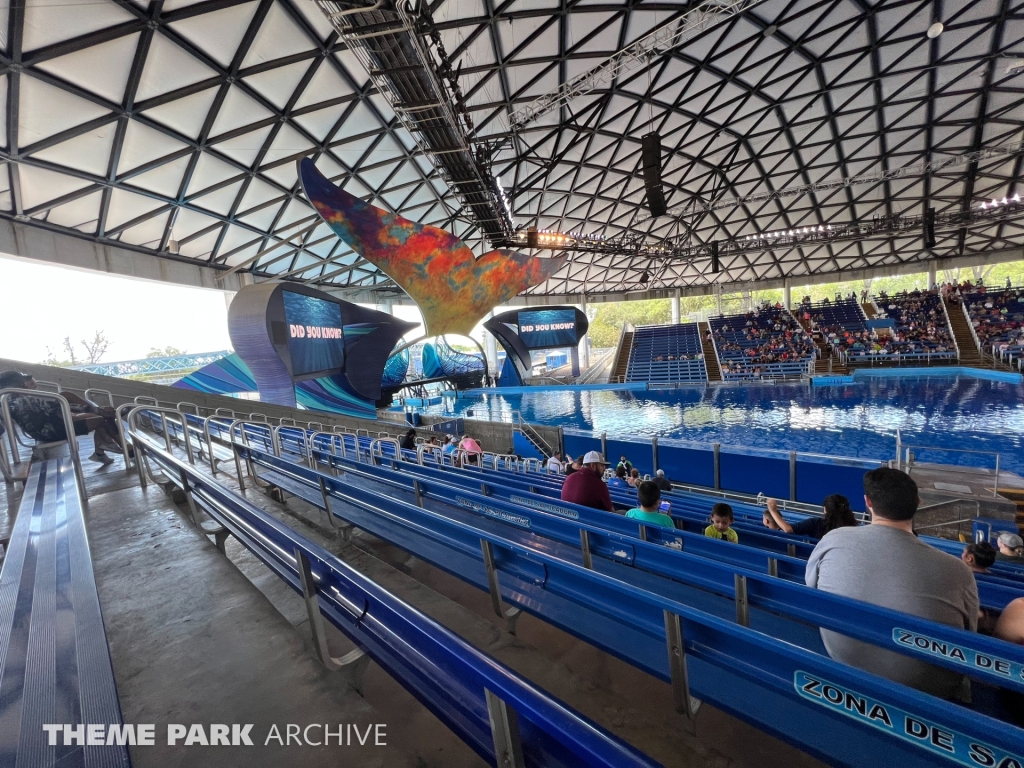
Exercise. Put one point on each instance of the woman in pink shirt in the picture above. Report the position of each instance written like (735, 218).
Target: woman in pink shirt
(472, 449)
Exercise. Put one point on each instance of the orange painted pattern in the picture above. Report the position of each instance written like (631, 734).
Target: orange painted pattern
(453, 289)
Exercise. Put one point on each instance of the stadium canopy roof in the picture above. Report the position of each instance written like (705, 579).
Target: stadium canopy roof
(173, 127)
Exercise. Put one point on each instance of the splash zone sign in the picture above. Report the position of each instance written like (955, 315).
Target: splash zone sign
(919, 731)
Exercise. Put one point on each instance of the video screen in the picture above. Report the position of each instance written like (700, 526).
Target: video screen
(316, 336)
(545, 328)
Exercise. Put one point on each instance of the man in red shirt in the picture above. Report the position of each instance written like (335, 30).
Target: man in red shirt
(586, 487)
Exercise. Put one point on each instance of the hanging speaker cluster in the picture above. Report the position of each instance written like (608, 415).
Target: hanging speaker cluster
(929, 227)
(651, 154)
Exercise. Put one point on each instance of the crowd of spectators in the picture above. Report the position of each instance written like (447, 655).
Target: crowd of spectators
(997, 317)
(749, 343)
(884, 563)
(921, 325)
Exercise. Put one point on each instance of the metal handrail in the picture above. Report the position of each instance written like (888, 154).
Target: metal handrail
(425, 448)
(909, 460)
(209, 439)
(276, 431)
(69, 428)
(181, 407)
(107, 392)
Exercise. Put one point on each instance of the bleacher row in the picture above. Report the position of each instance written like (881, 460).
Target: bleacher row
(840, 323)
(627, 588)
(666, 353)
(997, 320)
(921, 328)
(765, 343)
(729, 624)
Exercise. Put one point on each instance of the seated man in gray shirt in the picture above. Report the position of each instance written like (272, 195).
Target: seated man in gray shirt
(886, 564)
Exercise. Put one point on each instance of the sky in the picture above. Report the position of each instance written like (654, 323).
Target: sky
(44, 303)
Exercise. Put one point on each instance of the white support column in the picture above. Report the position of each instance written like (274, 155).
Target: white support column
(787, 297)
(931, 277)
(491, 347)
(585, 341)
(675, 308)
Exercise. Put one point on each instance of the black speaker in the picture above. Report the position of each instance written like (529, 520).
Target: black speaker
(651, 154)
(715, 268)
(929, 228)
(531, 237)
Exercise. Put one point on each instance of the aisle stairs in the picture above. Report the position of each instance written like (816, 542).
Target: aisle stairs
(622, 362)
(710, 357)
(969, 352)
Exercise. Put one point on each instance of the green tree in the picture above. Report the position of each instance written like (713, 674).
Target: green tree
(165, 352)
(607, 321)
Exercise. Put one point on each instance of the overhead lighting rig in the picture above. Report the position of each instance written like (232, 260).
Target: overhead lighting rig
(677, 249)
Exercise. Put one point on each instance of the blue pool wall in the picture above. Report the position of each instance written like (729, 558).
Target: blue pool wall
(739, 470)
(828, 381)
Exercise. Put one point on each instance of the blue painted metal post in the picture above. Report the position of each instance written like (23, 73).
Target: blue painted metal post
(718, 466)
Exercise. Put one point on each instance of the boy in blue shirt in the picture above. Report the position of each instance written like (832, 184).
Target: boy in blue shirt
(721, 524)
(649, 496)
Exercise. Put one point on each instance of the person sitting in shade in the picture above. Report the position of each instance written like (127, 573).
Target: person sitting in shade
(586, 487)
(837, 515)
(409, 440)
(451, 446)
(1011, 548)
(554, 464)
(42, 419)
(634, 478)
(473, 450)
(661, 481)
(887, 565)
(625, 463)
(721, 524)
(619, 479)
(979, 556)
(648, 496)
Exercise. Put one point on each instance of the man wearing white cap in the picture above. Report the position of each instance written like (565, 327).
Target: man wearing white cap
(586, 487)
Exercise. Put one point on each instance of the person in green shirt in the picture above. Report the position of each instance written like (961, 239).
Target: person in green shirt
(649, 497)
(721, 524)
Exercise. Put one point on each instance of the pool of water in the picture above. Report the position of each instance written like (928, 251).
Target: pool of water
(859, 419)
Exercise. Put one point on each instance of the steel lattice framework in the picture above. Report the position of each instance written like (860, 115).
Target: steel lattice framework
(173, 127)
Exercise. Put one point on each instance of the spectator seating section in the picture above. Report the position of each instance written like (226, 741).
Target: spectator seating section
(506, 532)
(913, 313)
(666, 353)
(845, 319)
(999, 328)
(54, 661)
(503, 717)
(734, 348)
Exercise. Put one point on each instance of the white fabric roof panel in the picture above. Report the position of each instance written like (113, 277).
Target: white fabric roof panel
(141, 124)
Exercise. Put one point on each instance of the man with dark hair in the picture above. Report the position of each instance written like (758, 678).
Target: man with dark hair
(886, 564)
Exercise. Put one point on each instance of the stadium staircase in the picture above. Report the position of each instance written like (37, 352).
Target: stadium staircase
(622, 361)
(710, 356)
(969, 352)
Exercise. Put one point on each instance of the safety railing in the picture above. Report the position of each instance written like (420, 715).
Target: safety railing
(908, 460)
(68, 421)
(500, 715)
